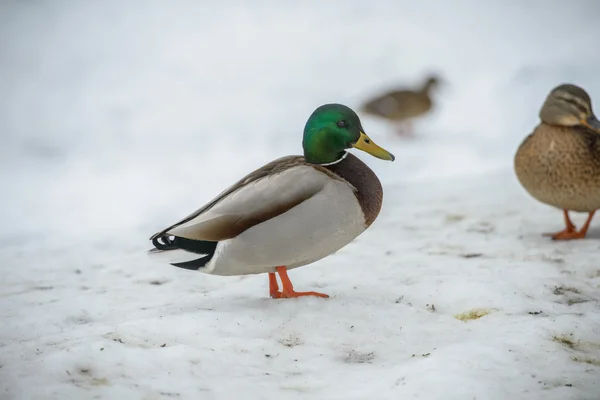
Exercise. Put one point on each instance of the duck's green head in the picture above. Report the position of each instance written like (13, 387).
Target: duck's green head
(333, 128)
(569, 105)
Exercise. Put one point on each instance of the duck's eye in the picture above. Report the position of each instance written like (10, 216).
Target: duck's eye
(342, 124)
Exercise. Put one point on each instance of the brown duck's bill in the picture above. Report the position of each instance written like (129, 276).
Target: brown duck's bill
(365, 143)
(592, 123)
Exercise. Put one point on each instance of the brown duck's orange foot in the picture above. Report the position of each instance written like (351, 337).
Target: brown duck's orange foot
(571, 232)
(567, 235)
(288, 289)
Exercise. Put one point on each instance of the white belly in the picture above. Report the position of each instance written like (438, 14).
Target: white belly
(306, 233)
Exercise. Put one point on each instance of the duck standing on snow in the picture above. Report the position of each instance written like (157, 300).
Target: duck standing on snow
(401, 105)
(291, 212)
(559, 163)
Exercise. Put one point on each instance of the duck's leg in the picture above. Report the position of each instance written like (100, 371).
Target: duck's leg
(569, 229)
(273, 286)
(288, 289)
(575, 234)
(399, 129)
(404, 129)
(410, 128)
(570, 232)
(584, 229)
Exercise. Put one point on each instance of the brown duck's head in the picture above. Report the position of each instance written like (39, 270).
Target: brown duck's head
(569, 105)
(431, 82)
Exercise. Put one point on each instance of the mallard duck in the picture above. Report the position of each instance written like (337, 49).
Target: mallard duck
(401, 105)
(559, 163)
(291, 212)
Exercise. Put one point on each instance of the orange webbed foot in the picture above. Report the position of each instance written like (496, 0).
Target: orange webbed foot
(288, 291)
(291, 295)
(566, 235)
(571, 232)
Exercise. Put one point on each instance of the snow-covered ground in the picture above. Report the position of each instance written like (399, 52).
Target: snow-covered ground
(117, 118)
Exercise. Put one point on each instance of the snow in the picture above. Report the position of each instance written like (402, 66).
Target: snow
(119, 118)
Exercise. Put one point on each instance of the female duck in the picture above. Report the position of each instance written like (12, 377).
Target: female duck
(559, 163)
(291, 212)
(401, 106)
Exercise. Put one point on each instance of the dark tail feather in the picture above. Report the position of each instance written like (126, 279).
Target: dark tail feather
(164, 242)
(194, 265)
(202, 247)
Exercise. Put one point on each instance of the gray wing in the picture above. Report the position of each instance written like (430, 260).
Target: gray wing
(261, 195)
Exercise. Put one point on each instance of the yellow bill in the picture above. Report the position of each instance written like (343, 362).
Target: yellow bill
(365, 143)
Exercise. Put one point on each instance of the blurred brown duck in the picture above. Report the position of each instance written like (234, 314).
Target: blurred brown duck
(400, 106)
(559, 163)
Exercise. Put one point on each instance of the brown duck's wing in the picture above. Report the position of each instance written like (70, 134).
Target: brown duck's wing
(263, 194)
(412, 104)
(398, 104)
(592, 139)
